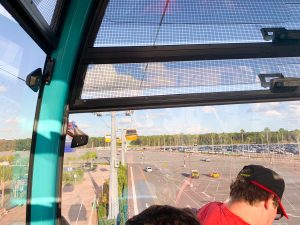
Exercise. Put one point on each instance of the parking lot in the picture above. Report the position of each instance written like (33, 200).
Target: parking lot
(170, 182)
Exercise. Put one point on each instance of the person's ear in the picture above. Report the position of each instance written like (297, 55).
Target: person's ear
(269, 203)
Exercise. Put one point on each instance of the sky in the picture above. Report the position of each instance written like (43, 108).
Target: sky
(19, 55)
(193, 21)
(197, 120)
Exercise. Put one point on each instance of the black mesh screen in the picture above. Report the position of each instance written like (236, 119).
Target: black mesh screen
(172, 22)
(168, 78)
(46, 7)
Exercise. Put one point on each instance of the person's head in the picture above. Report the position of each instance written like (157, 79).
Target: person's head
(164, 215)
(259, 185)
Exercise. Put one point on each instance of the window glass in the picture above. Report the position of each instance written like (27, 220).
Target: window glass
(184, 157)
(170, 22)
(19, 56)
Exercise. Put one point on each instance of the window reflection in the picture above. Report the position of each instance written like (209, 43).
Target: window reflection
(19, 55)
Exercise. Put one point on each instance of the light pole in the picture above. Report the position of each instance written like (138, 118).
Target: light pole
(113, 184)
(268, 142)
(75, 176)
(212, 142)
(113, 181)
(298, 144)
(124, 147)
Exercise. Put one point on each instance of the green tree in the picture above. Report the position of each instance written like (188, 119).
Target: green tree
(89, 157)
(70, 160)
(267, 133)
(297, 135)
(103, 202)
(242, 133)
(5, 175)
(281, 132)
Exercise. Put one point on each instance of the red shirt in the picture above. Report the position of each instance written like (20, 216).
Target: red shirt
(216, 213)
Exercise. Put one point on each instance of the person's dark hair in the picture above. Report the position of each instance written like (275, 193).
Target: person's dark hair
(164, 215)
(242, 189)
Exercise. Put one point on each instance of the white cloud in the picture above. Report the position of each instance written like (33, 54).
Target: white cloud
(152, 115)
(8, 106)
(149, 129)
(263, 107)
(124, 120)
(159, 75)
(2, 88)
(190, 74)
(146, 124)
(84, 126)
(273, 113)
(271, 109)
(191, 109)
(7, 129)
(294, 108)
(13, 121)
(282, 110)
(105, 82)
(196, 130)
(208, 109)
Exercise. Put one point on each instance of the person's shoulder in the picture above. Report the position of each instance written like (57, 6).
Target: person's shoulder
(209, 208)
(217, 213)
(212, 205)
(210, 213)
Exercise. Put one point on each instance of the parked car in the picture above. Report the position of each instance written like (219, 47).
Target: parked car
(206, 160)
(69, 169)
(148, 169)
(195, 174)
(215, 175)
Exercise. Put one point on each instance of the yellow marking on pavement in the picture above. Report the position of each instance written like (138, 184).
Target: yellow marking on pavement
(146, 182)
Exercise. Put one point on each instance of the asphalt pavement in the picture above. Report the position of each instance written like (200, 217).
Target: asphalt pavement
(170, 182)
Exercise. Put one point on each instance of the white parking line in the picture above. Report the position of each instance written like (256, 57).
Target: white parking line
(208, 196)
(135, 208)
(79, 212)
(206, 187)
(92, 211)
(289, 202)
(291, 215)
(183, 192)
(218, 187)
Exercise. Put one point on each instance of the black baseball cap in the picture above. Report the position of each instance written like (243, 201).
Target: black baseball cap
(267, 180)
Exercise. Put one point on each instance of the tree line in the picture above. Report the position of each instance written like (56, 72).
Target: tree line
(15, 145)
(266, 136)
(281, 136)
